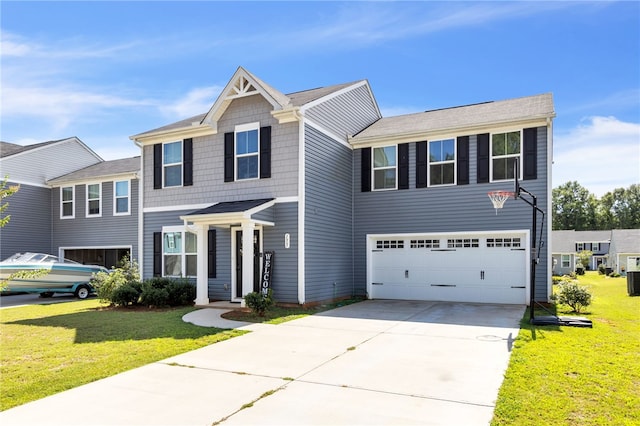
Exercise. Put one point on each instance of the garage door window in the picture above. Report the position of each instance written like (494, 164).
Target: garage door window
(390, 244)
(503, 242)
(463, 242)
(425, 243)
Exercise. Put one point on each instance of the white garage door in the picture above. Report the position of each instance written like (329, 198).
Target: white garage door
(475, 268)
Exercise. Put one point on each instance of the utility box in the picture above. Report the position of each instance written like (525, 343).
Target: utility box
(633, 283)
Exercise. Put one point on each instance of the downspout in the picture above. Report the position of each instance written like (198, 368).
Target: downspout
(140, 212)
(549, 206)
(301, 209)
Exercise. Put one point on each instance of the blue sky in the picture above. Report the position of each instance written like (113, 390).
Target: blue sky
(104, 71)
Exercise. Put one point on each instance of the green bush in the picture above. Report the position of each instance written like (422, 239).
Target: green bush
(601, 269)
(128, 294)
(181, 292)
(105, 283)
(614, 275)
(258, 302)
(154, 297)
(573, 295)
(579, 269)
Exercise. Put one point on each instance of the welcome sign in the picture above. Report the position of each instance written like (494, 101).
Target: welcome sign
(267, 272)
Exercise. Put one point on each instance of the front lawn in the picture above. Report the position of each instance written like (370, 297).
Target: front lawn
(577, 376)
(46, 349)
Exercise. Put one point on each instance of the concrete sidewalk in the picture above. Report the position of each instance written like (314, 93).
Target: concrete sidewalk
(374, 362)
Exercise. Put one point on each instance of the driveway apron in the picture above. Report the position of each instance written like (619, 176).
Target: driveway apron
(374, 362)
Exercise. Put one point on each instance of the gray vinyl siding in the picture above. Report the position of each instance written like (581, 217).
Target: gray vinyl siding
(41, 164)
(29, 228)
(285, 267)
(95, 232)
(446, 209)
(345, 114)
(328, 218)
(208, 162)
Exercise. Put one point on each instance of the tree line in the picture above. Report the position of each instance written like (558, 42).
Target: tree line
(574, 207)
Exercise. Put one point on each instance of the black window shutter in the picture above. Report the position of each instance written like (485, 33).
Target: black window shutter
(483, 158)
(157, 166)
(462, 152)
(403, 166)
(421, 164)
(365, 168)
(157, 254)
(530, 170)
(187, 166)
(211, 252)
(229, 174)
(265, 152)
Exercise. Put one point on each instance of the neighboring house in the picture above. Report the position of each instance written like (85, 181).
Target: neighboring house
(624, 252)
(94, 212)
(348, 202)
(54, 213)
(609, 248)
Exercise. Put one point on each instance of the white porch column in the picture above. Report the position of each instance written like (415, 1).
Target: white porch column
(202, 281)
(247, 257)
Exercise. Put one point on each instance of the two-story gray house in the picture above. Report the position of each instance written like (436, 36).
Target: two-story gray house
(71, 202)
(345, 201)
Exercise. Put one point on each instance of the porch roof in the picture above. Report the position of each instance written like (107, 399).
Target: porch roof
(230, 212)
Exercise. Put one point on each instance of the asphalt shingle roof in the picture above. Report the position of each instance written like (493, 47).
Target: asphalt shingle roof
(103, 169)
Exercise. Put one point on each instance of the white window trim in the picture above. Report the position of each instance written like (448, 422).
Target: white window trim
(240, 128)
(579, 247)
(115, 198)
(492, 157)
(374, 168)
(562, 260)
(183, 254)
(454, 162)
(99, 199)
(181, 163)
(597, 247)
(73, 202)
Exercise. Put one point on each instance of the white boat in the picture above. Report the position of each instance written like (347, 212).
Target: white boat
(56, 275)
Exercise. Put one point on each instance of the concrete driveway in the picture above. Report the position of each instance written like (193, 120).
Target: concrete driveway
(374, 362)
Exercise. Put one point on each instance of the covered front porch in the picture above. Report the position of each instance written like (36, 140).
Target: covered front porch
(245, 223)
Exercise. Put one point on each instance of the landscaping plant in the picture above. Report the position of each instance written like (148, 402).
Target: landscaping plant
(572, 294)
(258, 302)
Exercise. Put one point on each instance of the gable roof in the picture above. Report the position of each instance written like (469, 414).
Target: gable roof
(626, 240)
(104, 169)
(243, 84)
(8, 149)
(411, 127)
(563, 241)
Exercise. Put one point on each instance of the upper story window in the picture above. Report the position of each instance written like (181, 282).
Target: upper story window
(505, 147)
(172, 164)
(595, 247)
(247, 151)
(94, 200)
(67, 195)
(579, 247)
(179, 252)
(121, 197)
(442, 162)
(384, 168)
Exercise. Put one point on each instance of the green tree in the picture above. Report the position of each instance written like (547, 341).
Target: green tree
(6, 191)
(574, 207)
(620, 208)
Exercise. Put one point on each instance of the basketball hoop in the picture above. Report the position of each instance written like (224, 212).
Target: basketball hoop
(498, 198)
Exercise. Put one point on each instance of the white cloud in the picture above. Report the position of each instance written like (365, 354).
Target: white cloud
(196, 101)
(601, 154)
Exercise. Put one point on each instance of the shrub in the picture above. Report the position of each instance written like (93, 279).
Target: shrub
(105, 283)
(573, 295)
(127, 294)
(579, 269)
(181, 292)
(601, 269)
(614, 275)
(154, 297)
(258, 302)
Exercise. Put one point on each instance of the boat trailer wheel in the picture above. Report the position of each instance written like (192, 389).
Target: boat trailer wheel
(82, 292)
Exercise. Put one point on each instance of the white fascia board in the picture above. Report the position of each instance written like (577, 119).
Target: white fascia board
(434, 134)
(54, 183)
(163, 209)
(342, 140)
(60, 142)
(24, 182)
(287, 115)
(174, 134)
(250, 212)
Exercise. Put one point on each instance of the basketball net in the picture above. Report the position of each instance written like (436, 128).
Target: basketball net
(498, 198)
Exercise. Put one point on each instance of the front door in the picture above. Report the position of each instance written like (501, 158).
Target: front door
(256, 262)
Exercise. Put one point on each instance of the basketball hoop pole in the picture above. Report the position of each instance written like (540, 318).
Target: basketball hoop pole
(535, 258)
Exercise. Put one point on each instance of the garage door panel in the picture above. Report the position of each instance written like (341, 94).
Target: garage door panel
(465, 269)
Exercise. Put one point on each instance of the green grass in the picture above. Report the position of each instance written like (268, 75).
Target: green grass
(278, 314)
(577, 376)
(46, 349)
